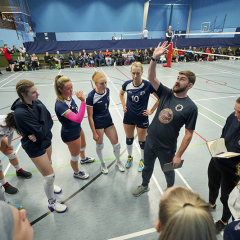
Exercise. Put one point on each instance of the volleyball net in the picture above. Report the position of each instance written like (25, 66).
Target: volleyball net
(131, 35)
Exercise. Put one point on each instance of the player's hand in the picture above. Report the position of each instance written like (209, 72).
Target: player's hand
(79, 95)
(32, 138)
(146, 112)
(125, 109)
(9, 148)
(176, 161)
(160, 50)
(95, 137)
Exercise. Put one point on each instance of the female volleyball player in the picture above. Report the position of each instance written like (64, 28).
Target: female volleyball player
(135, 110)
(34, 122)
(71, 133)
(100, 120)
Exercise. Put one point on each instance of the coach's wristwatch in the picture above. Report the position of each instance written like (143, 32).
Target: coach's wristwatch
(154, 59)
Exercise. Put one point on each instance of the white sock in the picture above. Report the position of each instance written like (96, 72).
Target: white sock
(3, 181)
(129, 149)
(17, 167)
(142, 154)
(99, 153)
(49, 191)
(116, 151)
(2, 196)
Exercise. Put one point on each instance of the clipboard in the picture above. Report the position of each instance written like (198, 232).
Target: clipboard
(169, 166)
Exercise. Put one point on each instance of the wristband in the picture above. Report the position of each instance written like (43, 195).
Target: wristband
(154, 59)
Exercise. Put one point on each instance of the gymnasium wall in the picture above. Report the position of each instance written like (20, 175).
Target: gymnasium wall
(10, 37)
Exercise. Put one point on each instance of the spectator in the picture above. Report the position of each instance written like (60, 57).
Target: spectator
(219, 51)
(28, 61)
(21, 60)
(96, 59)
(136, 56)
(85, 59)
(119, 58)
(207, 50)
(175, 55)
(145, 33)
(90, 59)
(113, 57)
(7, 53)
(72, 59)
(130, 56)
(146, 56)
(34, 62)
(230, 52)
(48, 59)
(200, 55)
(126, 61)
(237, 52)
(59, 59)
(107, 55)
(80, 59)
(184, 215)
(14, 49)
(195, 55)
(189, 55)
(84, 52)
(169, 34)
(22, 49)
(150, 51)
(101, 58)
(212, 50)
(181, 55)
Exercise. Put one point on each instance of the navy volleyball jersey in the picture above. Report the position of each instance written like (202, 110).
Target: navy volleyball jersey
(137, 97)
(100, 104)
(68, 127)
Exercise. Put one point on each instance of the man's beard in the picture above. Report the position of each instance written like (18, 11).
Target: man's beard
(179, 90)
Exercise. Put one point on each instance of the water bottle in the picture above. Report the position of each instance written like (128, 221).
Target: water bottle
(85, 95)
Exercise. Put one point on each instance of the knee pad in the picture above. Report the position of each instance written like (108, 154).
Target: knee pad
(49, 179)
(142, 144)
(129, 141)
(1, 166)
(100, 147)
(116, 147)
(82, 149)
(75, 158)
(12, 155)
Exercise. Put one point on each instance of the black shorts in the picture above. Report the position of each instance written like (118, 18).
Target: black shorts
(140, 123)
(39, 152)
(10, 61)
(103, 124)
(69, 135)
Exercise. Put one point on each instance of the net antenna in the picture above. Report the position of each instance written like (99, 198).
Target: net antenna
(205, 27)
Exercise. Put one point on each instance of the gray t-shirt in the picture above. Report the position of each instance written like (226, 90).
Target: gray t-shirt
(6, 221)
(171, 115)
(169, 32)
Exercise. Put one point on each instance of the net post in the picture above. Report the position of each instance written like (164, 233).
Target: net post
(169, 61)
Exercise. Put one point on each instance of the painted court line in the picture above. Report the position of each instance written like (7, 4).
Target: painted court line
(8, 77)
(11, 80)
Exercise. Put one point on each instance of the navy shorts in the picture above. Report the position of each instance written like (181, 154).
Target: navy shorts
(10, 61)
(69, 135)
(143, 122)
(107, 122)
(40, 151)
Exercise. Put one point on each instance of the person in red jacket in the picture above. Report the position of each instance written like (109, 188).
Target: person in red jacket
(8, 56)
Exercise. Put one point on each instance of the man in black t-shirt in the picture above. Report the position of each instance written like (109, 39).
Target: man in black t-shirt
(174, 110)
(169, 34)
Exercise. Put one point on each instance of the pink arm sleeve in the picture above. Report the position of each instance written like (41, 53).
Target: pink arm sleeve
(79, 116)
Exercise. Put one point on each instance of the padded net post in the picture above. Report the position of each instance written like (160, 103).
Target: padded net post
(169, 61)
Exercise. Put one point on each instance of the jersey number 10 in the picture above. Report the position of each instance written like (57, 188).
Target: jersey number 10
(135, 98)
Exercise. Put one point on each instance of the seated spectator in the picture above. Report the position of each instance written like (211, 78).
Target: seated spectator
(72, 59)
(14, 223)
(80, 59)
(218, 51)
(113, 56)
(130, 56)
(207, 50)
(150, 51)
(34, 62)
(189, 56)
(96, 59)
(195, 55)
(136, 56)
(181, 55)
(85, 59)
(21, 60)
(146, 56)
(59, 59)
(119, 58)
(90, 60)
(126, 61)
(28, 61)
(14, 49)
(175, 55)
(232, 230)
(84, 52)
(22, 49)
(101, 58)
(212, 50)
(237, 52)
(141, 53)
(107, 56)
(184, 215)
(230, 52)
(48, 59)
(200, 55)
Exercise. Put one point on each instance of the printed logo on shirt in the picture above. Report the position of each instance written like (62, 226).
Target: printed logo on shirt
(179, 107)
(108, 98)
(142, 93)
(166, 116)
(99, 101)
(129, 91)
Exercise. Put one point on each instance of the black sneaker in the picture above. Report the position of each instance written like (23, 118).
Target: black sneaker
(10, 189)
(24, 174)
(212, 207)
(219, 226)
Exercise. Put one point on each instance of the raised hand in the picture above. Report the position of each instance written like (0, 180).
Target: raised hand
(79, 95)
(160, 50)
